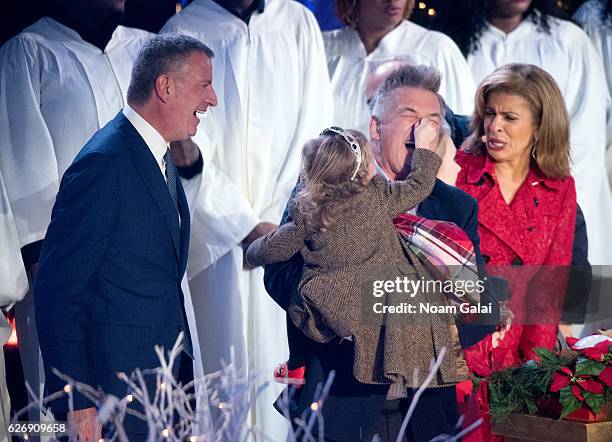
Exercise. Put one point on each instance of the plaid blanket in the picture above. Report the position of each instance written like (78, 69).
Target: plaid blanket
(446, 252)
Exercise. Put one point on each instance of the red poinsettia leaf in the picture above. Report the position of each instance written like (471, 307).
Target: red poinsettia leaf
(576, 392)
(569, 401)
(605, 347)
(593, 386)
(567, 371)
(593, 353)
(559, 381)
(606, 376)
(571, 341)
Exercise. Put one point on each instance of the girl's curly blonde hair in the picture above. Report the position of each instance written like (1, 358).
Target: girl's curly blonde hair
(328, 165)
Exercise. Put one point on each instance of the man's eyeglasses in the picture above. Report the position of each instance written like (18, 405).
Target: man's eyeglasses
(352, 142)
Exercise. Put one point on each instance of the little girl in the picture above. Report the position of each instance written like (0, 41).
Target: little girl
(342, 225)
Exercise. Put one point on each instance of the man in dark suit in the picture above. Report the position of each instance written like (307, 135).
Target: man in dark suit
(109, 284)
(356, 411)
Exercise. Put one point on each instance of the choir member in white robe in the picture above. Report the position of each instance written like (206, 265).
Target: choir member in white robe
(274, 94)
(56, 91)
(380, 34)
(568, 55)
(597, 23)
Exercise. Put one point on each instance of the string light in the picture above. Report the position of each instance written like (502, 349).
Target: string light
(422, 5)
(431, 12)
(314, 406)
(166, 432)
(67, 388)
(129, 398)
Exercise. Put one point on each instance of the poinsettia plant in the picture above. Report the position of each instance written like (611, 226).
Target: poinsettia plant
(587, 383)
(580, 376)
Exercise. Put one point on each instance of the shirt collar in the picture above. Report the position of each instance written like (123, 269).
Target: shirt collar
(390, 42)
(387, 45)
(535, 176)
(526, 26)
(149, 134)
(257, 6)
(380, 171)
(69, 35)
(479, 169)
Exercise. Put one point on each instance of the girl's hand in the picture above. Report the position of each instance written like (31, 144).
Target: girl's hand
(426, 134)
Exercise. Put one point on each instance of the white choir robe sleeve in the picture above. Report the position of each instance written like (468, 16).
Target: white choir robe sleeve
(221, 217)
(586, 99)
(589, 17)
(315, 112)
(28, 163)
(457, 85)
(13, 278)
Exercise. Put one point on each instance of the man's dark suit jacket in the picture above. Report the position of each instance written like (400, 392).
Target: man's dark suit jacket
(108, 288)
(352, 406)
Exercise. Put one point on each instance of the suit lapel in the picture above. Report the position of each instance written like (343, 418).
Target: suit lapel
(151, 175)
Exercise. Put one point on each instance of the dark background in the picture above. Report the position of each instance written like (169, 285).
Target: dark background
(150, 15)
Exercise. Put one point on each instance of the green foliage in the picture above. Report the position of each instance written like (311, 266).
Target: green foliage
(516, 391)
(520, 390)
(569, 401)
(586, 366)
(594, 401)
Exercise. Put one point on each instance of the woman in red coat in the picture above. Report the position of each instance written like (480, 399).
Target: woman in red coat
(516, 164)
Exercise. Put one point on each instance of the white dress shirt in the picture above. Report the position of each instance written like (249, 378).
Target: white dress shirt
(149, 134)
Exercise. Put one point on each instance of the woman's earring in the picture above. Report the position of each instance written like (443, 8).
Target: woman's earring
(533, 150)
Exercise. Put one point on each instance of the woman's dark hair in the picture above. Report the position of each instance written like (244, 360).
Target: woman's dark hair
(466, 20)
(606, 12)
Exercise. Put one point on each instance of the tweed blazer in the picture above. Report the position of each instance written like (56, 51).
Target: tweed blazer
(341, 264)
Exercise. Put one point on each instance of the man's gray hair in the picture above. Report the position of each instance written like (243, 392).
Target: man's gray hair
(163, 54)
(415, 76)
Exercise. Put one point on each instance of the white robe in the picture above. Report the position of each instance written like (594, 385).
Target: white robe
(13, 278)
(13, 287)
(56, 91)
(274, 93)
(349, 67)
(589, 17)
(566, 54)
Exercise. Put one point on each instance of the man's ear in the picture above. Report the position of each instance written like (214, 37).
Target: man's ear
(374, 128)
(164, 87)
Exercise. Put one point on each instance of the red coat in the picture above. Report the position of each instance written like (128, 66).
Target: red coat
(535, 229)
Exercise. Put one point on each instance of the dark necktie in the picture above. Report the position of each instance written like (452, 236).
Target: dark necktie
(171, 173)
(171, 177)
